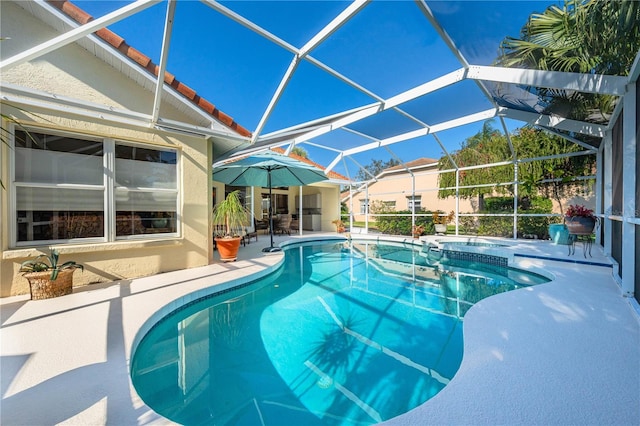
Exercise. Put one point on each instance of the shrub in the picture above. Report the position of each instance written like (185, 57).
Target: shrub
(401, 225)
(503, 226)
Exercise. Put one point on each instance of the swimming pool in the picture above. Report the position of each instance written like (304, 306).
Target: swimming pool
(343, 333)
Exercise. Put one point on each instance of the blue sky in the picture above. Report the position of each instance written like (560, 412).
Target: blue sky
(389, 47)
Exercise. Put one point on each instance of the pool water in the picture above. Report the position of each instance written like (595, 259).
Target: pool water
(343, 333)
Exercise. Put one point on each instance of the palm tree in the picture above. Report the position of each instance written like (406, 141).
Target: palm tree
(586, 36)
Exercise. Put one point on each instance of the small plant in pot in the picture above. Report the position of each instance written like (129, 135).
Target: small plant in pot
(340, 228)
(579, 219)
(232, 217)
(47, 278)
(440, 221)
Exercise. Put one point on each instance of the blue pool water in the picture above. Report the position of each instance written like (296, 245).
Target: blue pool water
(343, 333)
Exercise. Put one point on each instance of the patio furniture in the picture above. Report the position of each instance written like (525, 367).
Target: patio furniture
(261, 225)
(284, 224)
(251, 233)
(586, 238)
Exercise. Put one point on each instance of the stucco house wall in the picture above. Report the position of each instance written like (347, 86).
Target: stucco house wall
(396, 188)
(74, 72)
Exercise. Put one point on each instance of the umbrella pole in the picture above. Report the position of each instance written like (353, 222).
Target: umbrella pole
(270, 248)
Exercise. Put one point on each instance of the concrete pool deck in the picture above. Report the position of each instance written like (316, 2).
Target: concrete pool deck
(565, 352)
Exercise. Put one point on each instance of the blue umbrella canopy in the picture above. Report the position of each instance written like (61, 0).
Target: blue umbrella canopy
(268, 170)
(257, 169)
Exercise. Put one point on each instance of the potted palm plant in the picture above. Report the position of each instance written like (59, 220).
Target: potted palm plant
(47, 278)
(230, 218)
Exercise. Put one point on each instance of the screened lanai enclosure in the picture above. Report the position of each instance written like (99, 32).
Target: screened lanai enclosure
(509, 99)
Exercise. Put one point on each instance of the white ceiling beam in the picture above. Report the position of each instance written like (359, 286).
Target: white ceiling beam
(333, 26)
(453, 162)
(361, 167)
(588, 83)
(569, 138)
(328, 148)
(75, 34)
(635, 69)
(426, 88)
(311, 125)
(351, 118)
(250, 25)
(333, 163)
(406, 96)
(276, 97)
(44, 101)
(302, 53)
(508, 136)
(426, 11)
(322, 35)
(164, 55)
(554, 122)
(422, 132)
(467, 119)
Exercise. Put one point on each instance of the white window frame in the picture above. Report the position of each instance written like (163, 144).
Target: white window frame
(411, 203)
(364, 206)
(108, 185)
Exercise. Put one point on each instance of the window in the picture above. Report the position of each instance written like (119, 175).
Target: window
(389, 205)
(280, 204)
(64, 188)
(414, 203)
(364, 206)
(146, 193)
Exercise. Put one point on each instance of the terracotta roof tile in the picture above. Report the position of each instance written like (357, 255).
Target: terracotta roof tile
(411, 164)
(82, 17)
(332, 174)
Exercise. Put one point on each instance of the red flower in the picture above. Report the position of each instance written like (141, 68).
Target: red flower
(576, 210)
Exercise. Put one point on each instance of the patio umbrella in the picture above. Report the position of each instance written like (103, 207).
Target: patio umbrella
(268, 169)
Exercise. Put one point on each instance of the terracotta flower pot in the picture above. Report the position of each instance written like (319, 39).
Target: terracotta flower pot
(580, 224)
(228, 248)
(42, 287)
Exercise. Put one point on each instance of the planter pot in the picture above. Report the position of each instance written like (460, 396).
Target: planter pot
(43, 288)
(580, 225)
(228, 248)
(441, 228)
(559, 234)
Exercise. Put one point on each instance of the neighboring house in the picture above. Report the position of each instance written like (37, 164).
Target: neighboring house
(94, 177)
(393, 188)
(404, 187)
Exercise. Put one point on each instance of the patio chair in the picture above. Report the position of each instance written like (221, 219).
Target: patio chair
(261, 225)
(251, 232)
(284, 224)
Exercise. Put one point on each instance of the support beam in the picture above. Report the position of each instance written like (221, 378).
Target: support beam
(426, 11)
(276, 97)
(629, 190)
(608, 193)
(75, 34)
(333, 26)
(394, 101)
(585, 83)
(567, 137)
(422, 132)
(164, 55)
(554, 122)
